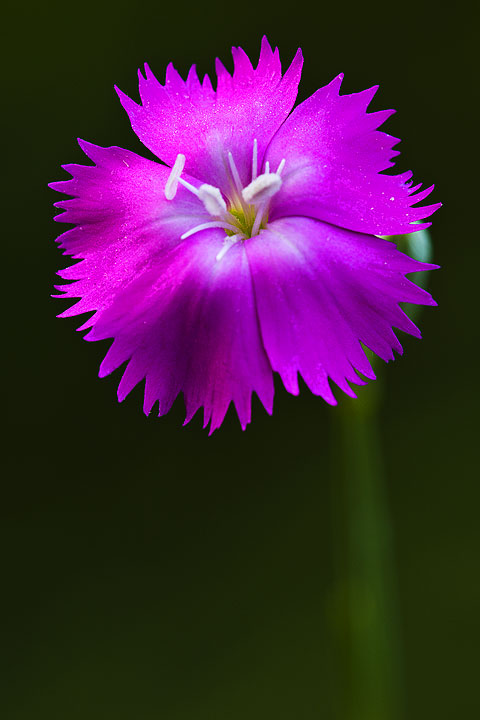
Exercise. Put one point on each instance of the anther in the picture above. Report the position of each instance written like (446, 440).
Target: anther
(172, 182)
(212, 199)
(262, 188)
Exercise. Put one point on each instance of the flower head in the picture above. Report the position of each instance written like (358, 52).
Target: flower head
(253, 245)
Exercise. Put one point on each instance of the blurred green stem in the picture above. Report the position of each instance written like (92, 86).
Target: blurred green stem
(368, 621)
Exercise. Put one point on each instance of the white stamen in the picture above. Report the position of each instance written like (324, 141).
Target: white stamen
(188, 185)
(262, 188)
(172, 182)
(205, 226)
(257, 194)
(212, 199)
(258, 219)
(228, 242)
(255, 159)
(235, 174)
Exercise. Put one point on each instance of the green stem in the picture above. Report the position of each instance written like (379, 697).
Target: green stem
(369, 622)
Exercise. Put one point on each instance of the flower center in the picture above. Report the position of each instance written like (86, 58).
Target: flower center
(247, 212)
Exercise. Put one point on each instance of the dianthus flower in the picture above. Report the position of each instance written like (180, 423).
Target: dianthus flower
(252, 247)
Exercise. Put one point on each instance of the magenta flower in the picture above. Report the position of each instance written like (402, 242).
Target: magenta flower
(253, 249)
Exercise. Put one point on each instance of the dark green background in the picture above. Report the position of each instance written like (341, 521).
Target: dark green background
(147, 570)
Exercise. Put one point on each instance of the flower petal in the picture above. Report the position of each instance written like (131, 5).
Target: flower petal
(123, 223)
(188, 323)
(320, 292)
(189, 117)
(334, 158)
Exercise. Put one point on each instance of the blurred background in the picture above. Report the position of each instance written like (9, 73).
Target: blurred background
(149, 571)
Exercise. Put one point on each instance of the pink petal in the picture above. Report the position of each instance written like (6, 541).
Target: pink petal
(334, 156)
(189, 117)
(320, 292)
(124, 223)
(188, 323)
